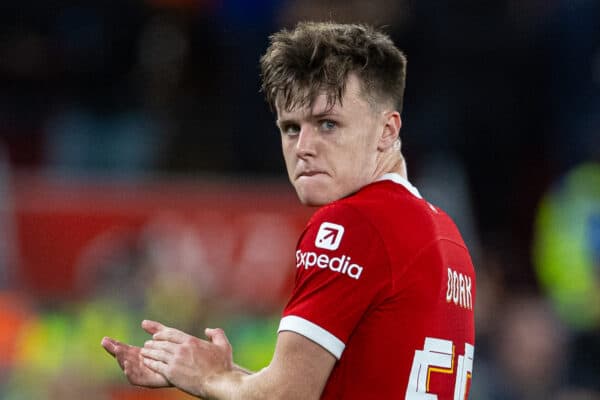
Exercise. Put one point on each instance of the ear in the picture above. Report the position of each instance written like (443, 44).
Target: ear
(390, 131)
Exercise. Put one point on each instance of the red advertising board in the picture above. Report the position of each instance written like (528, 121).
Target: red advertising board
(234, 239)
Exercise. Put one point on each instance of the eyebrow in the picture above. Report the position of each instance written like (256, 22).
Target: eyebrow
(326, 113)
(320, 115)
(280, 123)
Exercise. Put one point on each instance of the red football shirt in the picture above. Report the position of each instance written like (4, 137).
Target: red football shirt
(386, 284)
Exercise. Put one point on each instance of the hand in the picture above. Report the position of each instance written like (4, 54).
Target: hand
(132, 363)
(184, 360)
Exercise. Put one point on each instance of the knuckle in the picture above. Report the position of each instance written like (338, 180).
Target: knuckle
(219, 331)
(177, 356)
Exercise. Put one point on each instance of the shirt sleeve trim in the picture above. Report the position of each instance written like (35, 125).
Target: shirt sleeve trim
(313, 332)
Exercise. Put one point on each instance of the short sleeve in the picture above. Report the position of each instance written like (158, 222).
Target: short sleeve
(341, 270)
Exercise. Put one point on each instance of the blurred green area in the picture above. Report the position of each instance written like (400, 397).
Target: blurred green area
(56, 352)
(567, 246)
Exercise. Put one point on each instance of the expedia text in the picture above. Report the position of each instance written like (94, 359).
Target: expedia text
(342, 264)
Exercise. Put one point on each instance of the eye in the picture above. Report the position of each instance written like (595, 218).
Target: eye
(290, 129)
(327, 125)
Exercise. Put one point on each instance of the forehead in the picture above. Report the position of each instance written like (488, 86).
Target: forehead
(352, 101)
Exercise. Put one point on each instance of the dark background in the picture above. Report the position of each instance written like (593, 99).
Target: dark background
(502, 100)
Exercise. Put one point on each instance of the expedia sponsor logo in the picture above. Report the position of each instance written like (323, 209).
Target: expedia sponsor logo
(342, 264)
(329, 236)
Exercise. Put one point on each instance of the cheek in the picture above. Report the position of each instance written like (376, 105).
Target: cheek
(355, 166)
(287, 152)
(289, 160)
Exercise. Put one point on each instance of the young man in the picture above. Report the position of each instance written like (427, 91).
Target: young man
(382, 306)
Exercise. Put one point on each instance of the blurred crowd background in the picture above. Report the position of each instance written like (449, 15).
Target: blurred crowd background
(141, 177)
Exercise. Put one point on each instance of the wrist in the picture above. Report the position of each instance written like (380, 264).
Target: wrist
(224, 385)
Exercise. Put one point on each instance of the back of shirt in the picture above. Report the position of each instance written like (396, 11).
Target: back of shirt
(385, 283)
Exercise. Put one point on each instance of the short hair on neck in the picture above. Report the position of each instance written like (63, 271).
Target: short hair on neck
(316, 58)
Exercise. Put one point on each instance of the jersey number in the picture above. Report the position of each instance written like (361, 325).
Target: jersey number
(438, 356)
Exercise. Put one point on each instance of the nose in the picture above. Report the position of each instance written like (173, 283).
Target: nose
(307, 142)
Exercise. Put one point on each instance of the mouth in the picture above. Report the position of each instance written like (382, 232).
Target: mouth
(308, 174)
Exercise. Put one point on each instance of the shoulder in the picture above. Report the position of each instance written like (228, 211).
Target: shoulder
(391, 212)
(377, 205)
(340, 237)
(336, 220)
(347, 225)
(349, 213)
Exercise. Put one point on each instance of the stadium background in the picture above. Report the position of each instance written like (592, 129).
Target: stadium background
(141, 177)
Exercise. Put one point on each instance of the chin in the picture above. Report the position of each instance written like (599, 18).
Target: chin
(315, 191)
(314, 197)
(311, 202)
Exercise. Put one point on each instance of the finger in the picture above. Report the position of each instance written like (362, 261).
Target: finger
(110, 345)
(217, 336)
(165, 346)
(171, 335)
(128, 370)
(131, 372)
(156, 366)
(116, 349)
(158, 355)
(152, 327)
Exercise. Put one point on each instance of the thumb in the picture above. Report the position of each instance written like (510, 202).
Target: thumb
(110, 345)
(152, 327)
(217, 337)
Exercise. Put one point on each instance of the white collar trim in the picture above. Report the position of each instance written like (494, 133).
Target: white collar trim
(399, 179)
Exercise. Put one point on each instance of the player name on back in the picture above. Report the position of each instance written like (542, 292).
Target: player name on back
(459, 289)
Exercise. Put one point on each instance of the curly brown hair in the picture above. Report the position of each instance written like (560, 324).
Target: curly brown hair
(317, 57)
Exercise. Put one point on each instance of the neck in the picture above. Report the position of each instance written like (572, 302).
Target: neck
(401, 168)
(394, 164)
